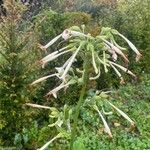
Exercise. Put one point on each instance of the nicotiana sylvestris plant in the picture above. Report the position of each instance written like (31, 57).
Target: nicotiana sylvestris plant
(96, 53)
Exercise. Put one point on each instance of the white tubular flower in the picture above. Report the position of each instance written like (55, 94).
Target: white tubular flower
(70, 63)
(118, 73)
(122, 113)
(38, 106)
(55, 90)
(66, 34)
(111, 51)
(107, 129)
(114, 56)
(52, 57)
(43, 78)
(117, 50)
(131, 46)
(51, 42)
(49, 142)
(94, 63)
(61, 69)
(123, 68)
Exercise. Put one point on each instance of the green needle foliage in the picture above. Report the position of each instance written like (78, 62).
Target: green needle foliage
(15, 68)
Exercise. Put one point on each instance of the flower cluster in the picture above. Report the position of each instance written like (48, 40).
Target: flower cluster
(103, 50)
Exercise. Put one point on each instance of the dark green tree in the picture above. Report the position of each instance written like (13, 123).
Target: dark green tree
(17, 52)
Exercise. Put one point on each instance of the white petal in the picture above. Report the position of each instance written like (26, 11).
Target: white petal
(117, 72)
(107, 129)
(70, 63)
(52, 41)
(117, 50)
(42, 79)
(122, 113)
(44, 61)
(66, 34)
(123, 68)
(132, 47)
(49, 142)
(37, 106)
(50, 56)
(55, 90)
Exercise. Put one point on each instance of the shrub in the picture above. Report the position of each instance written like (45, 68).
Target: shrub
(16, 66)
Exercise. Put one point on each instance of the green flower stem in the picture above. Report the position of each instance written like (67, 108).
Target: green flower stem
(81, 99)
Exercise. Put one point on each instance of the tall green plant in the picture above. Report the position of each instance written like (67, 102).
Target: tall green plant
(15, 68)
(97, 53)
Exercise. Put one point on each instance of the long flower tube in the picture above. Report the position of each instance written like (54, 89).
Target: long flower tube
(123, 114)
(51, 42)
(61, 86)
(116, 49)
(38, 106)
(123, 68)
(43, 62)
(49, 142)
(70, 33)
(44, 78)
(107, 129)
(102, 62)
(61, 69)
(55, 90)
(111, 51)
(131, 46)
(70, 63)
(118, 73)
(51, 55)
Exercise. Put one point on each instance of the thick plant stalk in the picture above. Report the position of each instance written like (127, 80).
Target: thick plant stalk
(81, 99)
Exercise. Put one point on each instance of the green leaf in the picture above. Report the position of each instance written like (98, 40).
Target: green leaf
(79, 145)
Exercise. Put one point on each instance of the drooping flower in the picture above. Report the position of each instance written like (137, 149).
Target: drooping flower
(43, 78)
(107, 129)
(51, 42)
(123, 68)
(49, 142)
(70, 63)
(131, 46)
(118, 73)
(123, 114)
(38, 106)
(117, 50)
(60, 70)
(52, 57)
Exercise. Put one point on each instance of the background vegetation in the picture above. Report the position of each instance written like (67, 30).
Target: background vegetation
(23, 26)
